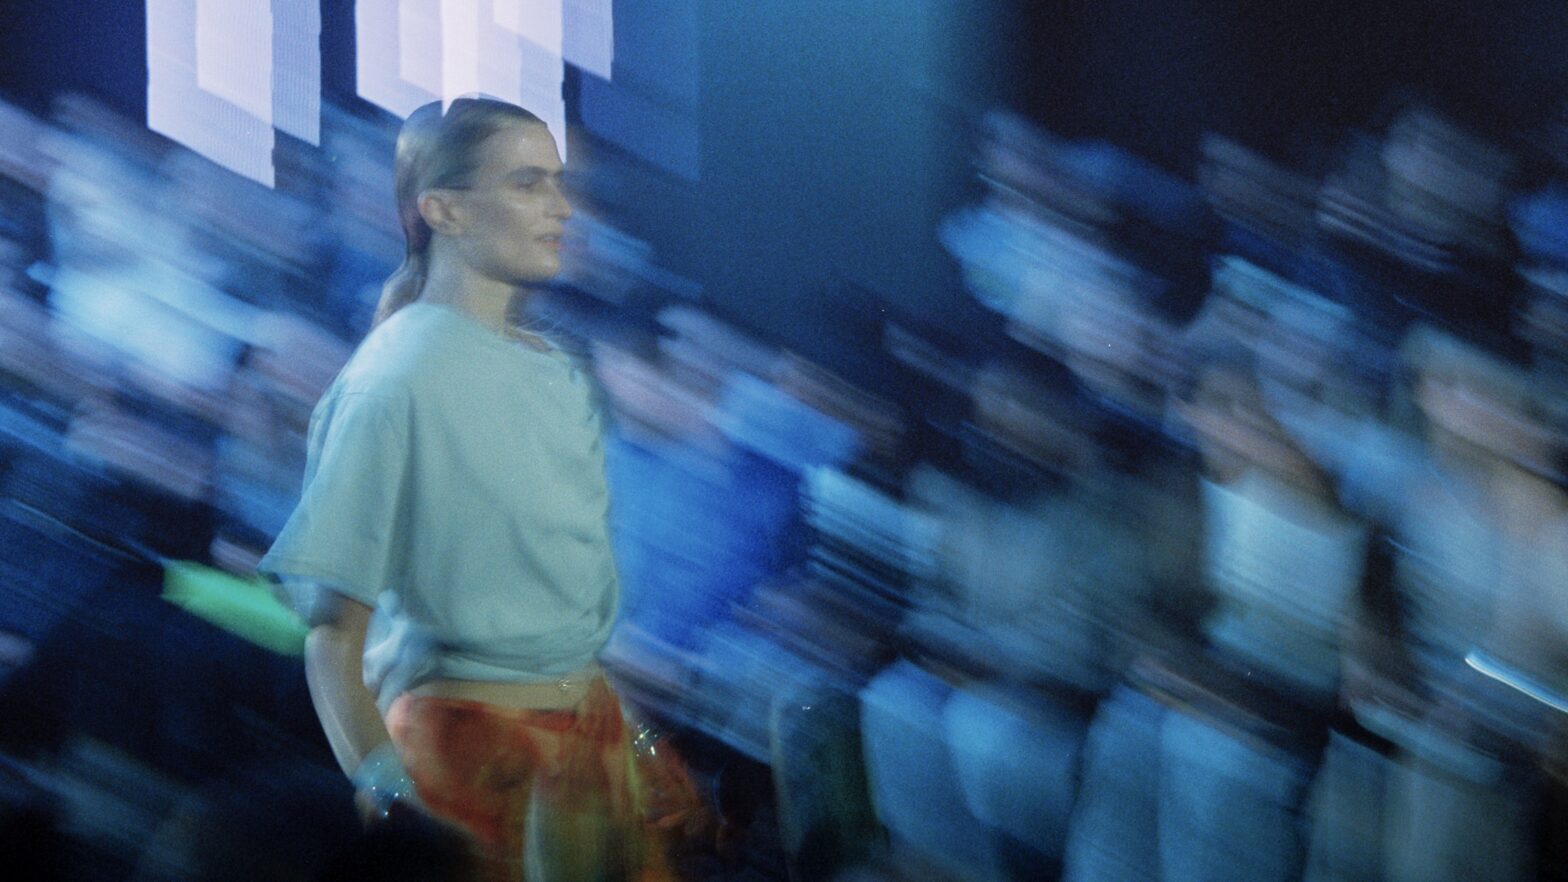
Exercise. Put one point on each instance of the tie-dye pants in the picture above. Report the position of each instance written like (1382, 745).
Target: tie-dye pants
(550, 795)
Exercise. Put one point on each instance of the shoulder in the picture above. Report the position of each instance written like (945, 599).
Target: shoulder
(408, 352)
(355, 418)
(377, 388)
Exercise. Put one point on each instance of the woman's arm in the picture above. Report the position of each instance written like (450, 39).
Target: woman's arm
(334, 671)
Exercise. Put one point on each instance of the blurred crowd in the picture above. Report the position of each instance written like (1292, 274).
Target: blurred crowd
(1242, 557)
(1317, 425)
(1242, 552)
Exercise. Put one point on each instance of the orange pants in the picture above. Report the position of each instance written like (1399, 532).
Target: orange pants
(548, 795)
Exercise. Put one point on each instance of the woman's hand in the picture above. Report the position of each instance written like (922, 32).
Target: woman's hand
(380, 781)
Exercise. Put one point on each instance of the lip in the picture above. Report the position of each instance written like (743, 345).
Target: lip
(553, 241)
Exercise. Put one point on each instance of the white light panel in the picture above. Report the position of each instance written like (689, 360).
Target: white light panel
(588, 35)
(234, 53)
(178, 107)
(378, 52)
(296, 68)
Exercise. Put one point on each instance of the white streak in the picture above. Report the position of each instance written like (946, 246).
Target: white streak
(1489, 666)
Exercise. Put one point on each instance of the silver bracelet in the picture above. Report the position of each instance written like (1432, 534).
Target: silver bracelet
(383, 779)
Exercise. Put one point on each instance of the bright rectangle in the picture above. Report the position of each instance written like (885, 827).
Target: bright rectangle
(180, 109)
(377, 59)
(419, 44)
(460, 48)
(234, 53)
(508, 14)
(296, 68)
(183, 112)
(588, 35)
(500, 61)
(537, 21)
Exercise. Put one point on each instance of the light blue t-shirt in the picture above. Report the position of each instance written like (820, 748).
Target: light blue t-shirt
(454, 482)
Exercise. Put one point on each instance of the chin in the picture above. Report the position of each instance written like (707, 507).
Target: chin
(548, 268)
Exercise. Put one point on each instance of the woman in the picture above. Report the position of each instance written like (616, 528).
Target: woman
(451, 541)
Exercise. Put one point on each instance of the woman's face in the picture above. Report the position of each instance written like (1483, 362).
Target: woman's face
(510, 217)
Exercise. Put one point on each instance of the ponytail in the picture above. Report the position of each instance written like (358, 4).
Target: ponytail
(402, 287)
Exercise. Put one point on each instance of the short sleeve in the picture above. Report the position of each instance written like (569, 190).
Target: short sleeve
(345, 533)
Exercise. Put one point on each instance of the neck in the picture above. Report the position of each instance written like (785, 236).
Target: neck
(456, 285)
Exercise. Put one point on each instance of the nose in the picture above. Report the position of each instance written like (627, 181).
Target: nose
(560, 206)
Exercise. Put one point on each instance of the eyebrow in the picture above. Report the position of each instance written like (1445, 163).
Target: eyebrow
(535, 170)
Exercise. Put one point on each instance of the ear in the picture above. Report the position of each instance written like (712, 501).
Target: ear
(439, 209)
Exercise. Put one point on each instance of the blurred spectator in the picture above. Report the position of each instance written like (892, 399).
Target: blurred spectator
(1459, 797)
(1413, 228)
(1009, 638)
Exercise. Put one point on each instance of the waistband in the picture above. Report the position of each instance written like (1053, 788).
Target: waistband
(599, 703)
(560, 693)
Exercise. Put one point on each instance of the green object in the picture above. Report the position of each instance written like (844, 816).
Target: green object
(245, 607)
